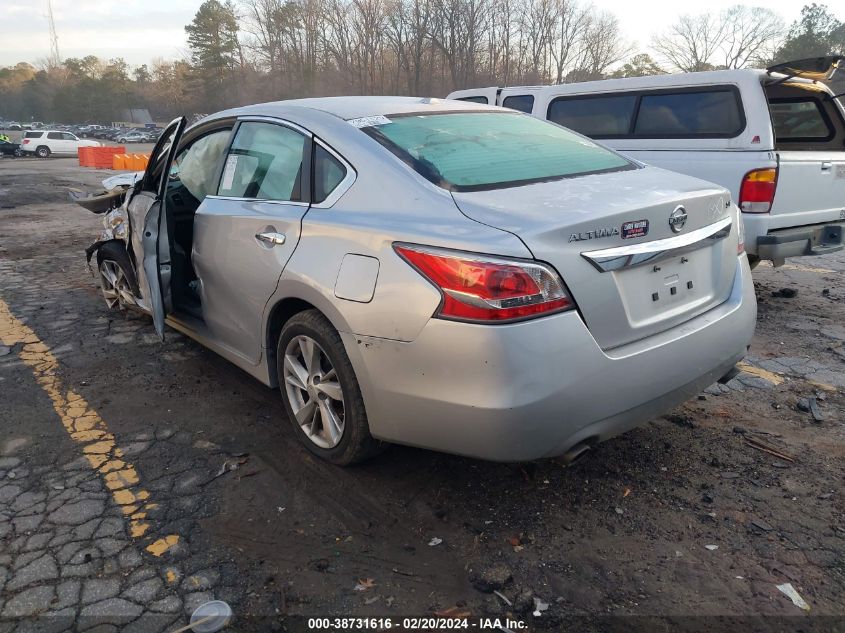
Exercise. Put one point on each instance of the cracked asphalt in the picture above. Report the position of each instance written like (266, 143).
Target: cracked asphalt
(140, 479)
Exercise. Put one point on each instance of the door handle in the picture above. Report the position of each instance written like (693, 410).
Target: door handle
(271, 238)
(827, 166)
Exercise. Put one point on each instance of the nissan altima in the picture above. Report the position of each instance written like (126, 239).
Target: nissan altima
(436, 273)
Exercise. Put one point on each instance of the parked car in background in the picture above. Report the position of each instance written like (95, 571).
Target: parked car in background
(775, 138)
(133, 137)
(43, 143)
(8, 148)
(452, 276)
(15, 126)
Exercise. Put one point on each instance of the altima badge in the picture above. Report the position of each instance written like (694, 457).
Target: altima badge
(590, 235)
(678, 218)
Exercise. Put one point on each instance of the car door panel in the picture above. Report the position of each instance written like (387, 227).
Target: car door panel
(239, 271)
(155, 239)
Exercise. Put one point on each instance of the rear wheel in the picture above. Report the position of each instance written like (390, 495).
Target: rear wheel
(117, 278)
(43, 151)
(321, 394)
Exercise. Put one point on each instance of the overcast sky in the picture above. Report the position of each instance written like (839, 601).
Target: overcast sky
(141, 30)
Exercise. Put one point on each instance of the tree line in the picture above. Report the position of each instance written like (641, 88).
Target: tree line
(261, 50)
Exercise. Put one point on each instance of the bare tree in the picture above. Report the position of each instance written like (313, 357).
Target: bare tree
(749, 32)
(692, 42)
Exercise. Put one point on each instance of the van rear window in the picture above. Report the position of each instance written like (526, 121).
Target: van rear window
(799, 119)
(473, 99)
(33, 134)
(678, 113)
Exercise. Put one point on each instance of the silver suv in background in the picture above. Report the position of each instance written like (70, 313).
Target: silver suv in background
(451, 276)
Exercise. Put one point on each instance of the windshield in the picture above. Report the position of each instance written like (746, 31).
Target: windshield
(472, 151)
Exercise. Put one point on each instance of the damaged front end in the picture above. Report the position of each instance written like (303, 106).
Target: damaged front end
(112, 203)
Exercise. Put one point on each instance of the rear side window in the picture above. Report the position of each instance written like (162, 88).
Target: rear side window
(800, 119)
(689, 114)
(329, 172)
(473, 99)
(265, 163)
(56, 136)
(523, 103)
(475, 151)
(714, 112)
(33, 134)
(595, 116)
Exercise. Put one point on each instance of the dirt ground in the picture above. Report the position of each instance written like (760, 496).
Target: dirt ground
(682, 518)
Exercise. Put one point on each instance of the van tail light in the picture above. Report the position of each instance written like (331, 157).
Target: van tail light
(758, 190)
(25, 142)
(486, 289)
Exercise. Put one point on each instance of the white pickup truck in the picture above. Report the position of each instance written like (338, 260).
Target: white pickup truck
(775, 138)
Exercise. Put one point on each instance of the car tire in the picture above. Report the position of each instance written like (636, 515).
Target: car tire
(18, 153)
(116, 275)
(42, 151)
(121, 140)
(354, 443)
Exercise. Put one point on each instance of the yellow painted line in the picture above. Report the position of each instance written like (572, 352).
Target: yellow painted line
(771, 376)
(88, 429)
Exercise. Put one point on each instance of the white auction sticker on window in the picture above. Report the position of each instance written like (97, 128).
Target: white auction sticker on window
(369, 121)
(229, 171)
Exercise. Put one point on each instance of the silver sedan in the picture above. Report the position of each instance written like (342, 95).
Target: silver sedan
(435, 273)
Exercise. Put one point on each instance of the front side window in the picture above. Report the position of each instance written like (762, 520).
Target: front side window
(69, 137)
(328, 173)
(264, 163)
(595, 117)
(523, 103)
(689, 114)
(470, 151)
(799, 119)
(196, 165)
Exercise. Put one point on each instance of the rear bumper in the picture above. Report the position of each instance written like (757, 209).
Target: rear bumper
(535, 389)
(778, 244)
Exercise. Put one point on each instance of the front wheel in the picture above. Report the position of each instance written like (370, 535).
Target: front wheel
(321, 394)
(117, 278)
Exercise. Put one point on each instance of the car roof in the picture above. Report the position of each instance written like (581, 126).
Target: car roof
(356, 107)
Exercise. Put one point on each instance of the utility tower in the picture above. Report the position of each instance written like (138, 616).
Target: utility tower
(55, 59)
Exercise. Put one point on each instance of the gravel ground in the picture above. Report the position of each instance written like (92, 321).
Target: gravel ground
(140, 479)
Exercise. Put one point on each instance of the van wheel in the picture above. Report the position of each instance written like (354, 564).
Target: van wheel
(117, 277)
(321, 394)
(42, 151)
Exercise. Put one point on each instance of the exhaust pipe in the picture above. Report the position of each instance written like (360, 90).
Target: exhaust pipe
(575, 453)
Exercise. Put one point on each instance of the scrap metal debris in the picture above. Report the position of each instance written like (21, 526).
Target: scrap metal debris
(364, 584)
(539, 607)
(789, 591)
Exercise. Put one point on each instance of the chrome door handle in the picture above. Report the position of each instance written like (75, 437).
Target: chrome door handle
(827, 166)
(271, 238)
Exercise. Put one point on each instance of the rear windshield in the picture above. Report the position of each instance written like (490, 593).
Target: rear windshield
(471, 151)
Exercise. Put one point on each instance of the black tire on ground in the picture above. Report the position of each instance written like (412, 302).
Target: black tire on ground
(115, 251)
(753, 261)
(42, 151)
(18, 153)
(356, 443)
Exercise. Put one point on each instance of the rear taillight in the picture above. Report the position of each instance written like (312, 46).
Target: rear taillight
(758, 190)
(26, 141)
(487, 289)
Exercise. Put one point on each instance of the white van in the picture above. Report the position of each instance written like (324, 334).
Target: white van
(775, 138)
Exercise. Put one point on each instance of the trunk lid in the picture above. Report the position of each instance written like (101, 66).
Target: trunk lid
(610, 238)
(810, 189)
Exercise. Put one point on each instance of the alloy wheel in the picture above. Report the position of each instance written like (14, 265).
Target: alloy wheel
(116, 288)
(314, 392)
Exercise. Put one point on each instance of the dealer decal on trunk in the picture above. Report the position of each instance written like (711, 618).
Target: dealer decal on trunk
(636, 228)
